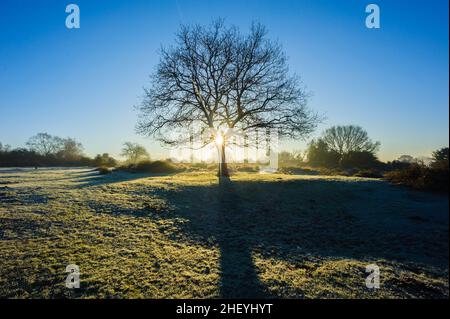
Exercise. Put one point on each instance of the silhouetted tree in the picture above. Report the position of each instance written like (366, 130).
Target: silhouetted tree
(70, 150)
(217, 79)
(104, 160)
(286, 158)
(361, 159)
(440, 159)
(134, 152)
(44, 144)
(318, 154)
(4, 148)
(349, 139)
(397, 165)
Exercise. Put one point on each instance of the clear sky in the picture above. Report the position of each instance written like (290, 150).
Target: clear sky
(83, 83)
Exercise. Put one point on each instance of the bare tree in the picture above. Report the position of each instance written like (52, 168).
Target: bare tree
(70, 149)
(45, 144)
(134, 152)
(347, 139)
(216, 78)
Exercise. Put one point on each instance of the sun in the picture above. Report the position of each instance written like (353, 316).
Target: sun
(219, 139)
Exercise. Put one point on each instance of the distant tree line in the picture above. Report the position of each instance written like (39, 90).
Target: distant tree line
(44, 149)
(349, 147)
(348, 150)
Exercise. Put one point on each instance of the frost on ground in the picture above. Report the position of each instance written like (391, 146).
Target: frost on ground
(184, 236)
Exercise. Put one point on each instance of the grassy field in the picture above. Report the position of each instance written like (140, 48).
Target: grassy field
(184, 236)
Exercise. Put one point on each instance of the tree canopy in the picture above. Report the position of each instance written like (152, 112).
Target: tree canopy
(44, 144)
(215, 77)
(134, 152)
(349, 139)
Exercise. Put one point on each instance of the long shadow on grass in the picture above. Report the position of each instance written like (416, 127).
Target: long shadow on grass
(305, 220)
(308, 220)
(238, 274)
(94, 178)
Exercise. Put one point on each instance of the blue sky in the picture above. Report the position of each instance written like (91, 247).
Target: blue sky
(83, 83)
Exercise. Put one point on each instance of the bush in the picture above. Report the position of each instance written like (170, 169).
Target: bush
(397, 165)
(332, 171)
(298, 171)
(369, 173)
(319, 155)
(361, 160)
(421, 177)
(195, 167)
(288, 159)
(104, 160)
(152, 167)
(247, 168)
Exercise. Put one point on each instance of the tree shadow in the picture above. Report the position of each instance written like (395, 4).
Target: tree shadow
(298, 220)
(238, 275)
(304, 220)
(94, 178)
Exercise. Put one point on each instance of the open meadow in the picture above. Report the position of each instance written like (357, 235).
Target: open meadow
(185, 236)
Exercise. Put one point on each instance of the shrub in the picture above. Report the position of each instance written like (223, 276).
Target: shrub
(247, 168)
(104, 160)
(362, 160)
(152, 167)
(286, 159)
(201, 166)
(297, 171)
(397, 165)
(421, 177)
(332, 171)
(319, 155)
(370, 173)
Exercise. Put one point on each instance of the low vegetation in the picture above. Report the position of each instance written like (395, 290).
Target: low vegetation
(407, 171)
(147, 166)
(421, 177)
(433, 177)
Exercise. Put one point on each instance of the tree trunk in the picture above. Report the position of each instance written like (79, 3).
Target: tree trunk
(223, 168)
